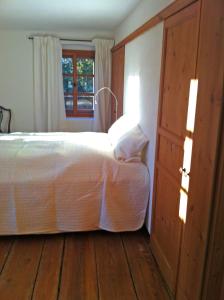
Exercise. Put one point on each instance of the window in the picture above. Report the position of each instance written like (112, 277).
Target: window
(78, 82)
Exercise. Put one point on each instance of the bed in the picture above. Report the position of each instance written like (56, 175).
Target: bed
(61, 182)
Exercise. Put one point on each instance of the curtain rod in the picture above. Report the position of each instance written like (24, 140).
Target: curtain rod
(69, 40)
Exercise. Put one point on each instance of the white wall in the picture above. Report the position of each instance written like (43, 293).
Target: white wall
(143, 12)
(141, 89)
(16, 77)
(142, 76)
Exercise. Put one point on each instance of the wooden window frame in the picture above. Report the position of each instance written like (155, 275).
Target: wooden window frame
(78, 54)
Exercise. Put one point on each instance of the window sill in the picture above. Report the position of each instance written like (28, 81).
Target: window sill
(78, 118)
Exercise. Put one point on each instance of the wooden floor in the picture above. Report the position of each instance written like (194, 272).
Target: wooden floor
(95, 265)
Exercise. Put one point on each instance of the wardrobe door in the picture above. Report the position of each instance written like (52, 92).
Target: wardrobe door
(173, 138)
(117, 82)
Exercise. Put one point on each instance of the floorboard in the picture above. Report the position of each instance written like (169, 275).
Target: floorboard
(47, 280)
(83, 266)
(147, 280)
(18, 276)
(5, 246)
(113, 273)
(79, 278)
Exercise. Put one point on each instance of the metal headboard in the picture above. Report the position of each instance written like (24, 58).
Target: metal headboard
(2, 110)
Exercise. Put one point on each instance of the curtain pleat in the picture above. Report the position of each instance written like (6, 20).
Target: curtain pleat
(102, 109)
(49, 109)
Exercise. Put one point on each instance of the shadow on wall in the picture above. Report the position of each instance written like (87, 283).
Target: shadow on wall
(132, 105)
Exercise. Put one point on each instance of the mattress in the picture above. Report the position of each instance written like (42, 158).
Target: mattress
(61, 182)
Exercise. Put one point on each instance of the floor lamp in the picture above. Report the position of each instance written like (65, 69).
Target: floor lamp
(115, 98)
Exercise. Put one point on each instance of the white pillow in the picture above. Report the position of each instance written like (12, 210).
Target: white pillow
(119, 128)
(130, 145)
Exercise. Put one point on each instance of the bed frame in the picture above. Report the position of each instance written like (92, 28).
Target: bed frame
(2, 111)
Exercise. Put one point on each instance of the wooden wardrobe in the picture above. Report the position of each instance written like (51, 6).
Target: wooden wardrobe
(185, 159)
(117, 82)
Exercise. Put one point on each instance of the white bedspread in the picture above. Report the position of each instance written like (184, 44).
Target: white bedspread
(56, 182)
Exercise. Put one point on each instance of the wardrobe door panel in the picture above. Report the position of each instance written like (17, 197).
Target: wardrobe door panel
(170, 155)
(167, 226)
(180, 60)
(174, 141)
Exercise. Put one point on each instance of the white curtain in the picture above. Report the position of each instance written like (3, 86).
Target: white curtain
(49, 109)
(102, 110)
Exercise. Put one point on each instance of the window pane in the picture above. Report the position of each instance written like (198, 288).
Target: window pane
(85, 66)
(67, 65)
(68, 85)
(85, 103)
(85, 84)
(69, 102)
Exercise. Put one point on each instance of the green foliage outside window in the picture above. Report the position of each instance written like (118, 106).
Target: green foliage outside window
(85, 66)
(67, 65)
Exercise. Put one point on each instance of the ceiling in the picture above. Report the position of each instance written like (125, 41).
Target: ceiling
(64, 15)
